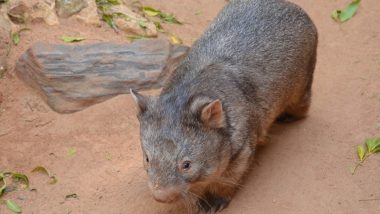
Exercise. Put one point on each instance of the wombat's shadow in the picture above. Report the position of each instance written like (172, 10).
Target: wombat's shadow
(279, 133)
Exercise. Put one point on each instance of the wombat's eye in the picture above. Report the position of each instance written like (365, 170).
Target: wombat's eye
(186, 165)
(147, 159)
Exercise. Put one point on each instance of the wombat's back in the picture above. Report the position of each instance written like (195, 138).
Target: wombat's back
(261, 38)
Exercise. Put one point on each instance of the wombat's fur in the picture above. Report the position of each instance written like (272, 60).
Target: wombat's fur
(254, 64)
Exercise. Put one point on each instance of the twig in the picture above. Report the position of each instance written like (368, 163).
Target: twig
(30, 107)
(371, 199)
(43, 124)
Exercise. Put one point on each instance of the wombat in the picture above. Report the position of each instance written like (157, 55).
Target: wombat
(253, 65)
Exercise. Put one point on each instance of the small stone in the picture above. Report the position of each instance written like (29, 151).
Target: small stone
(43, 11)
(89, 15)
(67, 8)
(18, 12)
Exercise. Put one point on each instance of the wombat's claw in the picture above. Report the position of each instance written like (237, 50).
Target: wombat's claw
(213, 204)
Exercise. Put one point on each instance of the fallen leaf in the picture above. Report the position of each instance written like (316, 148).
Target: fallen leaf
(373, 145)
(41, 169)
(135, 37)
(2, 188)
(142, 24)
(109, 20)
(159, 27)
(13, 206)
(347, 13)
(108, 156)
(361, 152)
(197, 13)
(73, 195)
(21, 177)
(52, 178)
(114, 2)
(376, 146)
(71, 151)
(72, 39)
(16, 38)
(169, 18)
(150, 11)
(107, 2)
(175, 40)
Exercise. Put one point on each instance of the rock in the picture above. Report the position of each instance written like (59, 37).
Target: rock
(22, 11)
(89, 15)
(44, 11)
(73, 77)
(18, 12)
(133, 22)
(67, 8)
(5, 30)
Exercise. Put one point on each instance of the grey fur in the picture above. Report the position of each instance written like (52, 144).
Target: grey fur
(258, 58)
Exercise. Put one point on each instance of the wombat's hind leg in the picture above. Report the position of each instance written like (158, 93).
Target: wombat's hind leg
(296, 111)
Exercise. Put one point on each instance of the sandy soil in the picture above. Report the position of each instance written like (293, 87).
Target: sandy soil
(304, 169)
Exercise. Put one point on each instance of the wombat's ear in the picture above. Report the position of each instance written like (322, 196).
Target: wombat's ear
(141, 101)
(211, 112)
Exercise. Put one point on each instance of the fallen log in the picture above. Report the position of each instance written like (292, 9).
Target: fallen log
(73, 77)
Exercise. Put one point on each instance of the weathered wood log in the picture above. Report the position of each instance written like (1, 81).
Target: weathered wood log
(73, 77)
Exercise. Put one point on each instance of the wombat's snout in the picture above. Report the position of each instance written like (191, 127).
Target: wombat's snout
(165, 195)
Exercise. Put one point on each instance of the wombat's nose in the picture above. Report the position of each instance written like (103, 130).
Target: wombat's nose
(166, 195)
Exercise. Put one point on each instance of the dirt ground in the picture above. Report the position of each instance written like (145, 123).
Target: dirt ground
(304, 169)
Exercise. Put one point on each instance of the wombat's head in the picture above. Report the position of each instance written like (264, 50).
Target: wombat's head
(184, 142)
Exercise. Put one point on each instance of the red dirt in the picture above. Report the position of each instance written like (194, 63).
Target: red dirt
(304, 169)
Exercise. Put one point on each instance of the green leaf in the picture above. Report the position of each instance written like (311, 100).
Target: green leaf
(135, 37)
(121, 15)
(377, 146)
(175, 40)
(72, 39)
(109, 20)
(361, 152)
(373, 145)
(159, 27)
(21, 177)
(41, 169)
(150, 11)
(142, 24)
(347, 13)
(114, 2)
(107, 2)
(13, 206)
(169, 18)
(2, 188)
(16, 38)
(71, 151)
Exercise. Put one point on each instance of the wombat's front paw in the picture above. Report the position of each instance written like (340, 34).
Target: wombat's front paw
(212, 204)
(286, 118)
